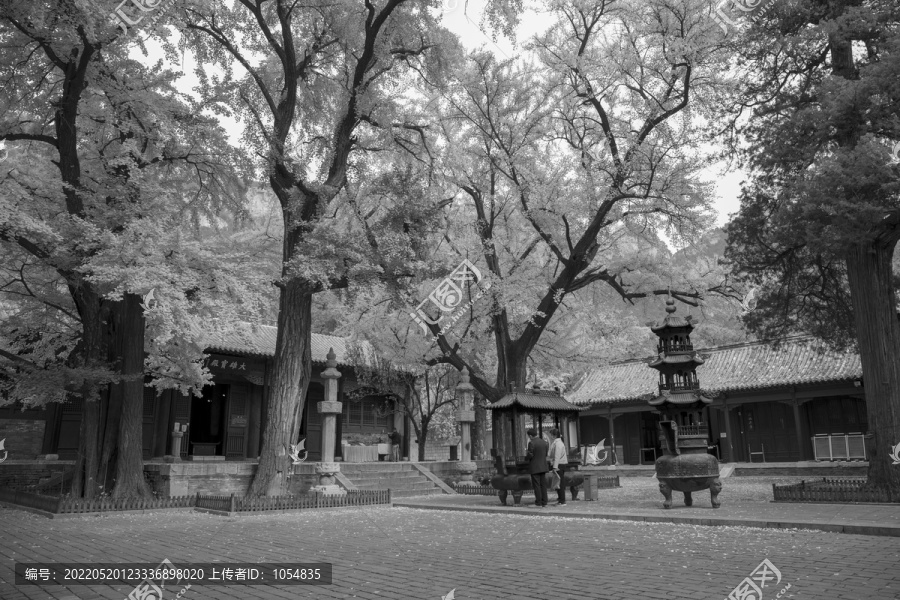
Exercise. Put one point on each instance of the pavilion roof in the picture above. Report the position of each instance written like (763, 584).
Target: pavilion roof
(543, 400)
(259, 340)
(748, 366)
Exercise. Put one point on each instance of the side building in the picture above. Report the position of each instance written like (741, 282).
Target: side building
(785, 401)
(225, 422)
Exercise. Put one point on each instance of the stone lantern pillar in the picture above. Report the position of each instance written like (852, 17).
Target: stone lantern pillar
(465, 395)
(330, 408)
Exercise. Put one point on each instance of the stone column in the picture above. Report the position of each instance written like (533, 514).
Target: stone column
(465, 395)
(175, 455)
(330, 408)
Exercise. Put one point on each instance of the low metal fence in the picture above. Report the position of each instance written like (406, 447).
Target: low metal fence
(228, 504)
(79, 505)
(832, 490)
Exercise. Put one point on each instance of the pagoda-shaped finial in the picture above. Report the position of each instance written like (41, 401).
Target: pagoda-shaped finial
(464, 378)
(331, 358)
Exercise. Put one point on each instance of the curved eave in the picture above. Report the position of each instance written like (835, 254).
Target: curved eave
(683, 359)
(679, 399)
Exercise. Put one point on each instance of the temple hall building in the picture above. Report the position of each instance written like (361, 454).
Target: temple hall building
(771, 402)
(225, 422)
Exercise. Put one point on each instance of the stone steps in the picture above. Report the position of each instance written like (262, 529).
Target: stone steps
(376, 479)
(379, 467)
(401, 478)
(397, 485)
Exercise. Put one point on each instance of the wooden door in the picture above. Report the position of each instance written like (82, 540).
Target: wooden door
(632, 439)
(238, 418)
(768, 429)
(148, 428)
(69, 429)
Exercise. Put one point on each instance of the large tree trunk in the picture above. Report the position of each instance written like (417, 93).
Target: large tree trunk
(878, 335)
(128, 318)
(85, 481)
(512, 370)
(423, 437)
(290, 378)
(111, 401)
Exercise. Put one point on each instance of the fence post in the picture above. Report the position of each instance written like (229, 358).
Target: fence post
(231, 508)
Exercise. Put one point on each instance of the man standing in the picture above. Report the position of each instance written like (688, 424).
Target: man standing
(396, 440)
(558, 463)
(538, 467)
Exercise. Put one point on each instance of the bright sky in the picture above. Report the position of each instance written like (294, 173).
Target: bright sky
(463, 16)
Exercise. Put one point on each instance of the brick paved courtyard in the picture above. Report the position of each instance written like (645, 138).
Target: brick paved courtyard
(406, 553)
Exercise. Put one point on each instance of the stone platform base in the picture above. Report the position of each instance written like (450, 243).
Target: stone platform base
(329, 490)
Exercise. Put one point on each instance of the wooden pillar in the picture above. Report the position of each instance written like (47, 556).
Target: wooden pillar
(161, 426)
(51, 427)
(254, 424)
(804, 450)
(612, 438)
(728, 446)
(515, 432)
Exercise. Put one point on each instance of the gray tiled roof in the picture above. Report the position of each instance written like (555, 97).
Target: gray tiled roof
(259, 340)
(535, 400)
(754, 365)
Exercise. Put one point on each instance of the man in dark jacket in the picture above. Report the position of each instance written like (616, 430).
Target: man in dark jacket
(538, 467)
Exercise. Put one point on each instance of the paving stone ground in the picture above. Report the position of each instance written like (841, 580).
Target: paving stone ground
(406, 553)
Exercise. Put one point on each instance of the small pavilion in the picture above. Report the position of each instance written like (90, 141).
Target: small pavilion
(520, 409)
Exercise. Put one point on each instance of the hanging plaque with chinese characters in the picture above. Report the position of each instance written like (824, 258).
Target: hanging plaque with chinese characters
(239, 366)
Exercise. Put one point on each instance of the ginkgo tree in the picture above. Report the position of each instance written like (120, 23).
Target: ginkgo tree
(110, 173)
(567, 167)
(574, 162)
(315, 85)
